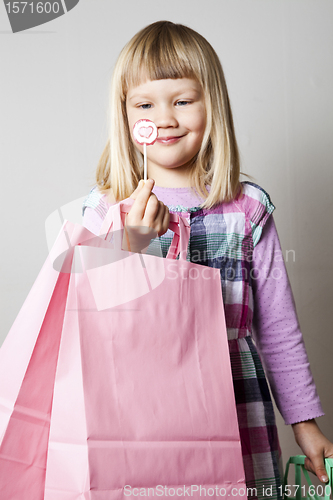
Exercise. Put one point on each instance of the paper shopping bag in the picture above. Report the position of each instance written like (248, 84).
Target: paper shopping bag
(28, 364)
(158, 392)
(91, 410)
(28, 360)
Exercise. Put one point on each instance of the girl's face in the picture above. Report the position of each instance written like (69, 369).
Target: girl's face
(178, 110)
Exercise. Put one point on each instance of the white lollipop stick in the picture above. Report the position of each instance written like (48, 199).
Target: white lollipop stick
(145, 132)
(145, 174)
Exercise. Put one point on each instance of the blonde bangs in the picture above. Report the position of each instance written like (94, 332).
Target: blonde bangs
(161, 53)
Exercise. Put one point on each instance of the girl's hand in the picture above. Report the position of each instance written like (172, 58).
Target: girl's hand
(315, 446)
(147, 219)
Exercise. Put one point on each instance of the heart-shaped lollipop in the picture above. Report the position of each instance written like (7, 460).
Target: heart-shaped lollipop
(145, 132)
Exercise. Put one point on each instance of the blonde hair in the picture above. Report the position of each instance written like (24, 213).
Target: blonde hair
(167, 50)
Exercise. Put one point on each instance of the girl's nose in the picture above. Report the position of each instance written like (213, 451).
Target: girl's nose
(165, 117)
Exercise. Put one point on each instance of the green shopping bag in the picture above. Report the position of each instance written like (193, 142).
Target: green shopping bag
(308, 492)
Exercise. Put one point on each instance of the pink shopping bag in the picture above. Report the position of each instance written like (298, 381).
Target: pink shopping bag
(134, 390)
(157, 380)
(28, 364)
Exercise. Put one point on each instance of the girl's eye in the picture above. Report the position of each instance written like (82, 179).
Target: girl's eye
(145, 106)
(183, 103)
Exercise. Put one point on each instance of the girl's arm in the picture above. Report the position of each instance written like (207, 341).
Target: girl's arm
(281, 346)
(277, 333)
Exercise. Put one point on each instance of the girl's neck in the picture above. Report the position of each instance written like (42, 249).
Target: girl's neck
(178, 177)
(173, 187)
(183, 188)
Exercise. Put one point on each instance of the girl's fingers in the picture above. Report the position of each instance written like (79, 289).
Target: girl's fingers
(165, 220)
(317, 466)
(138, 188)
(147, 210)
(161, 222)
(141, 197)
(156, 216)
(152, 211)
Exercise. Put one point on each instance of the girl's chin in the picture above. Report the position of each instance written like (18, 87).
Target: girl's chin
(171, 165)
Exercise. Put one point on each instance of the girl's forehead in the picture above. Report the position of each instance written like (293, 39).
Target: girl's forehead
(146, 85)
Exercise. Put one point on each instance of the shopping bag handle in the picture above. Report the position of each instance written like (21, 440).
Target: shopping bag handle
(115, 218)
(298, 461)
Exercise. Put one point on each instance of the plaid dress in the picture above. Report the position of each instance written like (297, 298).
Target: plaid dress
(224, 237)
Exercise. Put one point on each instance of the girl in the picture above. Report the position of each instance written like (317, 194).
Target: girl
(171, 75)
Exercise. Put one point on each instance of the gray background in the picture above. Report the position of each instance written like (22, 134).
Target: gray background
(277, 57)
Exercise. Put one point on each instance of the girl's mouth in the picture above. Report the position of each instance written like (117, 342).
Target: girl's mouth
(169, 140)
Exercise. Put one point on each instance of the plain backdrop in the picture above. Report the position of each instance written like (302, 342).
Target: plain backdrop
(277, 58)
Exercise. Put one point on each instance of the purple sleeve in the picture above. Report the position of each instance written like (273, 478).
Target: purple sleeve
(277, 333)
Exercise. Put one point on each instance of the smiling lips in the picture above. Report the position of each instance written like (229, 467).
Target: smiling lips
(169, 140)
